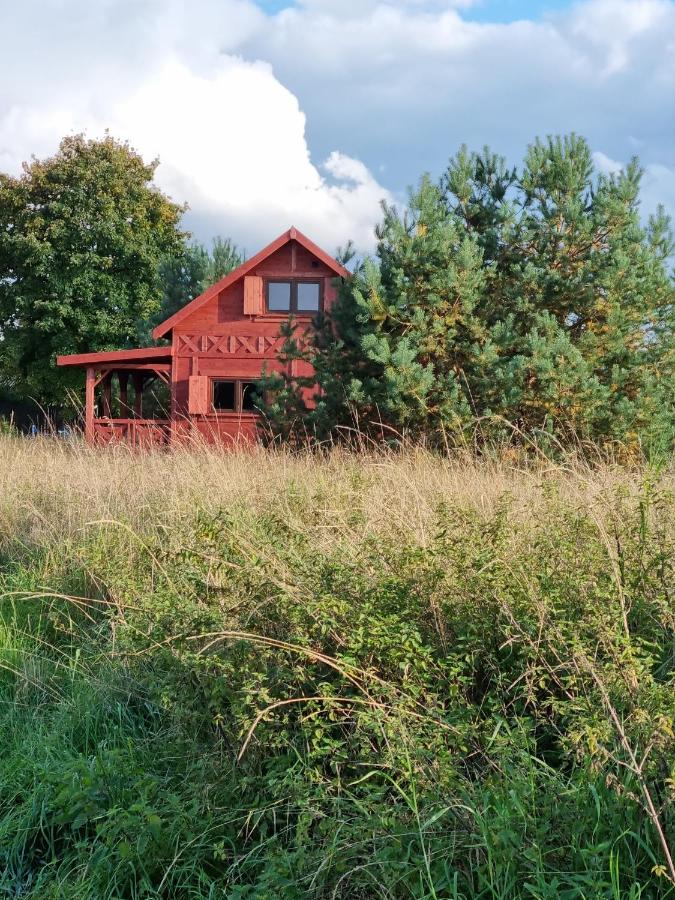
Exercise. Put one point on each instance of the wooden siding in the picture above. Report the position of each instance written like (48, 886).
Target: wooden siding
(225, 333)
(222, 340)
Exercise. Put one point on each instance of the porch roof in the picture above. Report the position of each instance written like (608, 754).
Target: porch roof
(144, 356)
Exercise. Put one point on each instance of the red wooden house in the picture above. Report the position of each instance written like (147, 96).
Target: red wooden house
(219, 343)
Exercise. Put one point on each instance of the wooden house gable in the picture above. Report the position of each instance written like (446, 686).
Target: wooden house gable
(241, 296)
(244, 300)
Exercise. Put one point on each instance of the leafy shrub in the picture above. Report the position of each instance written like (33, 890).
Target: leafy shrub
(282, 700)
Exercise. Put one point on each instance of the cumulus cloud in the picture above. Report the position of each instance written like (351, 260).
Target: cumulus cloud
(621, 32)
(263, 119)
(363, 8)
(606, 164)
(413, 82)
(233, 142)
(230, 137)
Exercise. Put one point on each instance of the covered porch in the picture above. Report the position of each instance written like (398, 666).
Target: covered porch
(117, 384)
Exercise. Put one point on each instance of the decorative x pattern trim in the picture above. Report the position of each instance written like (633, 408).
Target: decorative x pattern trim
(228, 345)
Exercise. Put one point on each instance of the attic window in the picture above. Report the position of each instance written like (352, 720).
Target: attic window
(279, 296)
(298, 296)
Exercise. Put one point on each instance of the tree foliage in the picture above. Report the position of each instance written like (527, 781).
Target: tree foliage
(81, 238)
(534, 299)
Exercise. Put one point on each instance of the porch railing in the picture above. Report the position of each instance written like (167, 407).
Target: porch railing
(137, 432)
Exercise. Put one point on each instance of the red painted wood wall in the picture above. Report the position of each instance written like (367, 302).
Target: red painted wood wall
(220, 341)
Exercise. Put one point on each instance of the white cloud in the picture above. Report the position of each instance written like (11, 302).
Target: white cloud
(606, 164)
(232, 99)
(361, 9)
(237, 149)
(230, 137)
(619, 31)
(409, 84)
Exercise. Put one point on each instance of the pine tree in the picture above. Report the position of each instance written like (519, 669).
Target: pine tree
(529, 303)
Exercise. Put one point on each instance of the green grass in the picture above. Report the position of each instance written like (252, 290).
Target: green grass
(262, 676)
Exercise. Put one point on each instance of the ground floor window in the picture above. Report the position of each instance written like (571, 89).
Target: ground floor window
(235, 395)
(249, 396)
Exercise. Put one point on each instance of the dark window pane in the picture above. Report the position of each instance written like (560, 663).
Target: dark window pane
(248, 390)
(279, 295)
(223, 395)
(308, 296)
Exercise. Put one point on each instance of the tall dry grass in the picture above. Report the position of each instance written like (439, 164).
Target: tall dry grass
(371, 674)
(52, 488)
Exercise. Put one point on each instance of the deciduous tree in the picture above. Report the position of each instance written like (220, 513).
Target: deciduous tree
(81, 237)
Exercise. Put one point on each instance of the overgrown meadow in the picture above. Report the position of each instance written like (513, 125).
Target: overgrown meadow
(387, 675)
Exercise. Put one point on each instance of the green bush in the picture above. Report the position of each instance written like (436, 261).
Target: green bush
(281, 700)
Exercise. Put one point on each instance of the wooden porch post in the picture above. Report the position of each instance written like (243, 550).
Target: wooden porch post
(107, 395)
(89, 406)
(138, 379)
(124, 403)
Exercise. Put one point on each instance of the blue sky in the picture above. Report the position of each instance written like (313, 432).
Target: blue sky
(265, 113)
(510, 10)
(482, 11)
